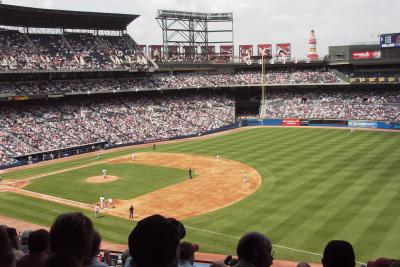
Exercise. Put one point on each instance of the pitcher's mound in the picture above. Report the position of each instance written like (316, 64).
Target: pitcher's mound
(101, 179)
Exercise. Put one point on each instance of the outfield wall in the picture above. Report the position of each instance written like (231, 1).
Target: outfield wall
(288, 122)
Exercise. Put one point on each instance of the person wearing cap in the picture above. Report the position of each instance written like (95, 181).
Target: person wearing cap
(254, 250)
(338, 253)
(154, 242)
(186, 252)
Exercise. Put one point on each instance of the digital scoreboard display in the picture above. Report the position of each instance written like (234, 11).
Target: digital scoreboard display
(390, 40)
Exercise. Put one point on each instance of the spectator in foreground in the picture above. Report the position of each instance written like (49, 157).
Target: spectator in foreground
(38, 244)
(381, 262)
(93, 260)
(338, 253)
(71, 234)
(24, 241)
(15, 244)
(186, 251)
(7, 258)
(254, 249)
(154, 242)
(61, 259)
(303, 264)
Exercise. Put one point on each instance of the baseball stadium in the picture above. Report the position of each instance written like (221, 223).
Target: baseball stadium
(226, 139)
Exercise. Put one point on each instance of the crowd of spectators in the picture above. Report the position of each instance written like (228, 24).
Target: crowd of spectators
(69, 51)
(155, 241)
(165, 81)
(362, 104)
(49, 126)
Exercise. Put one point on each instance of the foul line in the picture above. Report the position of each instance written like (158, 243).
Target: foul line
(275, 245)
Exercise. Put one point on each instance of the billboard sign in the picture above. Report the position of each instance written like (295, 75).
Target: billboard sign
(357, 55)
(390, 40)
(155, 51)
(363, 124)
(291, 122)
(226, 50)
(283, 51)
(141, 48)
(210, 49)
(266, 50)
(245, 52)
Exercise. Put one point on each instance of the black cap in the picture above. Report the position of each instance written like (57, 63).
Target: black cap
(154, 240)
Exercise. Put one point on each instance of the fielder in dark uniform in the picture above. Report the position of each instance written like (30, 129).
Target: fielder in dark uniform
(131, 212)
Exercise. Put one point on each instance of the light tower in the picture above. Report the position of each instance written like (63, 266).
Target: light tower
(312, 50)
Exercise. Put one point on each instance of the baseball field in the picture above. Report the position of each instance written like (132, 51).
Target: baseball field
(305, 187)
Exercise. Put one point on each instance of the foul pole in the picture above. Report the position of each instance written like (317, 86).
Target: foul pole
(263, 105)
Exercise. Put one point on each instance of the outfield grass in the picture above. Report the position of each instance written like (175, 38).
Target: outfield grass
(318, 185)
(134, 180)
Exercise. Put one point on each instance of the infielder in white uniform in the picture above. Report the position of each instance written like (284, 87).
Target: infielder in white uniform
(102, 202)
(104, 174)
(133, 156)
(96, 210)
(245, 178)
(110, 202)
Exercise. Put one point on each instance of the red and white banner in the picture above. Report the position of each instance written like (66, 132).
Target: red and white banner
(190, 52)
(141, 48)
(266, 50)
(173, 50)
(283, 51)
(245, 52)
(211, 49)
(226, 49)
(155, 51)
(291, 122)
(366, 55)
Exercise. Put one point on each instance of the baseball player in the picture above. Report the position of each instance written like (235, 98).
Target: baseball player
(98, 155)
(104, 174)
(102, 202)
(133, 156)
(351, 130)
(245, 178)
(217, 157)
(131, 209)
(110, 203)
(96, 211)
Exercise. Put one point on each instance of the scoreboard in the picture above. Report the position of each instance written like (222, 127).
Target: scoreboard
(390, 40)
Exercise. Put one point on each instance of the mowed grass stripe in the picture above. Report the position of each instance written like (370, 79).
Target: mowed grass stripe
(343, 207)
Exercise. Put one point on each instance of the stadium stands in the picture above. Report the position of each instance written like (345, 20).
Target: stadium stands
(51, 126)
(69, 51)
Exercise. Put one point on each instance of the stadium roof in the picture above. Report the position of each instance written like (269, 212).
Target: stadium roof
(50, 18)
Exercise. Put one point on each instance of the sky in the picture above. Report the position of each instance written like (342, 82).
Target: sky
(336, 22)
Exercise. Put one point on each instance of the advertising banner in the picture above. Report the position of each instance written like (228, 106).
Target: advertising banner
(173, 51)
(266, 50)
(245, 52)
(141, 48)
(283, 51)
(291, 122)
(189, 51)
(366, 55)
(363, 124)
(226, 50)
(211, 49)
(155, 52)
(390, 40)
